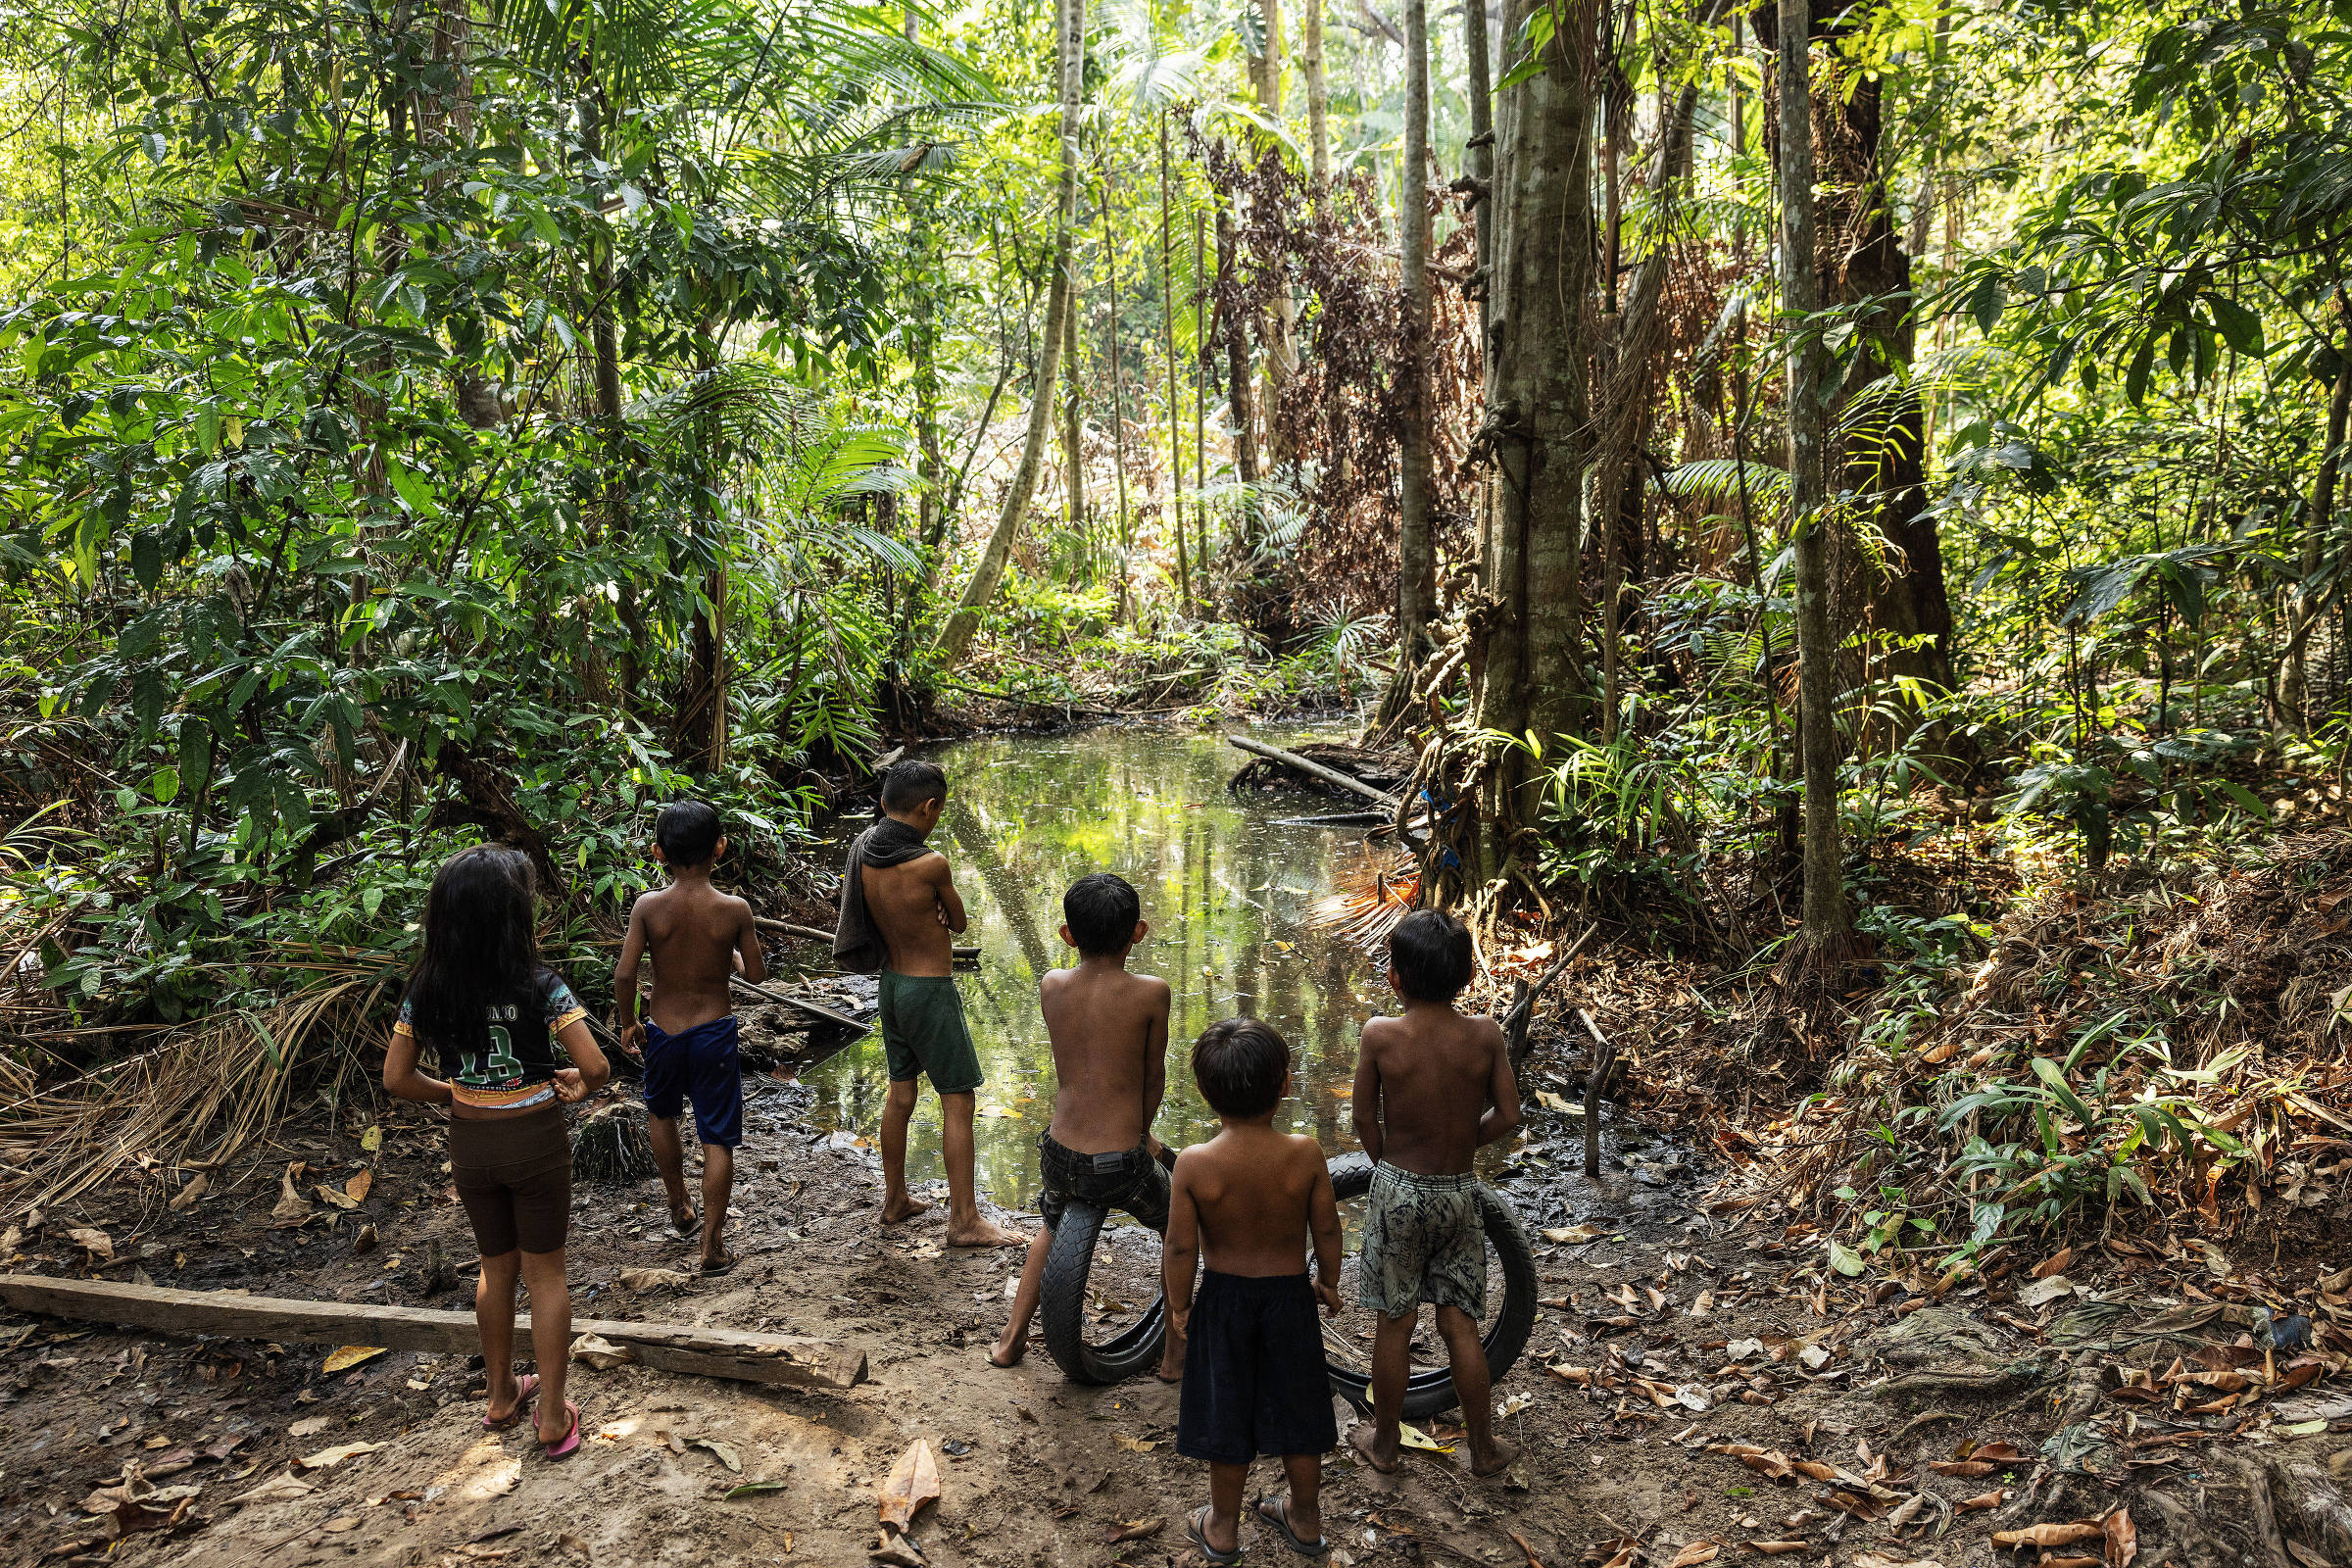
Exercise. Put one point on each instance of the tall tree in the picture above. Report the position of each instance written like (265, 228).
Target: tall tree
(1416, 540)
(1536, 433)
(1827, 924)
(955, 637)
(1318, 93)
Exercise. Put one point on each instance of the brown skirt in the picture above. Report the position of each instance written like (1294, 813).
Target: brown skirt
(513, 1175)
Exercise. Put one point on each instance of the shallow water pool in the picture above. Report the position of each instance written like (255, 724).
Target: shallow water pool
(1225, 888)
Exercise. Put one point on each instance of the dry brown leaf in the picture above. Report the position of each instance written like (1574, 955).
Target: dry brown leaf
(1961, 1467)
(347, 1357)
(1582, 1376)
(1816, 1469)
(357, 1188)
(1693, 1554)
(2001, 1451)
(2123, 1540)
(2055, 1264)
(186, 1199)
(1983, 1500)
(1776, 1548)
(2049, 1535)
(292, 1209)
(96, 1242)
(1133, 1445)
(1134, 1530)
(913, 1482)
(336, 1456)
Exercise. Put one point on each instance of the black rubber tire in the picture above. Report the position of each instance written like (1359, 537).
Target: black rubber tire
(1061, 1308)
(1428, 1393)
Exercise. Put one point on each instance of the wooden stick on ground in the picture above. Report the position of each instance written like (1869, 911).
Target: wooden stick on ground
(802, 1003)
(1312, 770)
(1596, 1082)
(668, 1347)
(1523, 998)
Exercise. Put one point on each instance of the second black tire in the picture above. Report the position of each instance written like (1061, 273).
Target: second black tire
(1431, 1392)
(1062, 1306)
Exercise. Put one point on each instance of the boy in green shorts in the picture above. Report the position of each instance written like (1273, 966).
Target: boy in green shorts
(900, 913)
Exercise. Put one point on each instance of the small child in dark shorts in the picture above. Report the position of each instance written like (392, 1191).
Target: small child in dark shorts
(1248, 1202)
(698, 937)
(1110, 1033)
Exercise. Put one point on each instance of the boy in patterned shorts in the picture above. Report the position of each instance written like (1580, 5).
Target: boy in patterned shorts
(1432, 1088)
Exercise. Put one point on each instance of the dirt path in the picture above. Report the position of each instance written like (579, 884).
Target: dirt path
(1842, 1400)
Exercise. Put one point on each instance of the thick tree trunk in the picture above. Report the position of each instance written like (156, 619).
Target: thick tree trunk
(1828, 926)
(1167, 323)
(1318, 95)
(1536, 435)
(605, 348)
(1417, 562)
(1073, 425)
(2295, 690)
(1282, 340)
(956, 635)
(1239, 404)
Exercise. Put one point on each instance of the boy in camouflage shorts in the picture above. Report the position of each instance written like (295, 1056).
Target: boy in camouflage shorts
(1432, 1088)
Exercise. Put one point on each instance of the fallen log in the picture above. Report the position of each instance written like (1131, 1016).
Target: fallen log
(965, 954)
(802, 1003)
(1312, 770)
(667, 1346)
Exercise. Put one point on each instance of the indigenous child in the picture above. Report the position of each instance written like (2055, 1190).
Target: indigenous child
(1432, 1088)
(900, 911)
(1110, 1033)
(698, 936)
(494, 1017)
(1246, 1203)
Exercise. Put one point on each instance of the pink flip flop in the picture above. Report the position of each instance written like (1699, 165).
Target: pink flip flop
(570, 1443)
(525, 1388)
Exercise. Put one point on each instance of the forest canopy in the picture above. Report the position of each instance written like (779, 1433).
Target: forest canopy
(1732, 451)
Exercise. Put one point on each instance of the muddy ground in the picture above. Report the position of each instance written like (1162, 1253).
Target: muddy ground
(1844, 1393)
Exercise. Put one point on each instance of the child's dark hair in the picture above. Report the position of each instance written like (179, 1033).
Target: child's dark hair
(1431, 953)
(480, 951)
(1241, 1066)
(1101, 910)
(909, 784)
(688, 833)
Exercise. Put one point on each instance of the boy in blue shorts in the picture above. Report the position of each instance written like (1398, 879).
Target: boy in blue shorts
(696, 936)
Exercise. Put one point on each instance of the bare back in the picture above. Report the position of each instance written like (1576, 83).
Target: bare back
(694, 933)
(1109, 1032)
(917, 910)
(1431, 1087)
(1261, 1198)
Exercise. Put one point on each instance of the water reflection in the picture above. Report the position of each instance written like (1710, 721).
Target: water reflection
(1224, 888)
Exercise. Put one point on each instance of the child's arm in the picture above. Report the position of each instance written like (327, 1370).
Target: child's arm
(1363, 1105)
(751, 958)
(1323, 1223)
(1155, 1064)
(950, 902)
(403, 1080)
(589, 1070)
(624, 981)
(1180, 1252)
(1502, 1089)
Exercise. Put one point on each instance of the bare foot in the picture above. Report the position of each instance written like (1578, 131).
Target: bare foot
(984, 1233)
(1004, 1354)
(684, 1220)
(1170, 1374)
(1383, 1458)
(904, 1209)
(1497, 1457)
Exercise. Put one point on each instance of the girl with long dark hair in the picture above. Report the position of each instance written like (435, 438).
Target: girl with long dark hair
(495, 1016)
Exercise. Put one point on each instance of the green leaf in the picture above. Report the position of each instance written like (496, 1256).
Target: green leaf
(147, 558)
(753, 1489)
(2241, 327)
(1846, 1260)
(1986, 301)
(2049, 1072)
